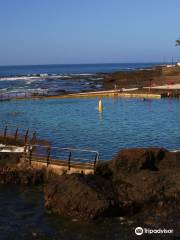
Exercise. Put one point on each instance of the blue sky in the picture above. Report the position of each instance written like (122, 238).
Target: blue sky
(88, 31)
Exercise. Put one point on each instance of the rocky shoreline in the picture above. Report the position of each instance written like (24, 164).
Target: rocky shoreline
(138, 78)
(140, 184)
(161, 80)
(140, 81)
(136, 181)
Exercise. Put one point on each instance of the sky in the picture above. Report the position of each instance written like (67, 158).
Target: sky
(88, 31)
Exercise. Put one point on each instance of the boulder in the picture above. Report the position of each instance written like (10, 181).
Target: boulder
(135, 159)
(21, 175)
(137, 180)
(81, 197)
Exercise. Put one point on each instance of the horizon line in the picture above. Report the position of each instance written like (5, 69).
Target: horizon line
(97, 63)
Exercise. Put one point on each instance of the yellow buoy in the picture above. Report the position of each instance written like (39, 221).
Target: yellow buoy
(100, 106)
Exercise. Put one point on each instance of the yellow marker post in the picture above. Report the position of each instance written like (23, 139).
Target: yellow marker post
(100, 106)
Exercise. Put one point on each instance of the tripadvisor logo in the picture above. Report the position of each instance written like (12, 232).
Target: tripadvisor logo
(140, 231)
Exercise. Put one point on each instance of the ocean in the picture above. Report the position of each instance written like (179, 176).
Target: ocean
(24, 70)
(57, 79)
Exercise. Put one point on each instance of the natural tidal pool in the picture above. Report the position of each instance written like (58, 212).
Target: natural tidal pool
(77, 122)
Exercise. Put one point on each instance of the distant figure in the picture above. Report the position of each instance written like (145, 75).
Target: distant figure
(100, 106)
(115, 88)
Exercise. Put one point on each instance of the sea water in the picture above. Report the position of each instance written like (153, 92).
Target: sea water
(29, 70)
(55, 79)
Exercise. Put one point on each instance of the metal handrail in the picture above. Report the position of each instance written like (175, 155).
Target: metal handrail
(80, 150)
(31, 149)
(70, 161)
(11, 126)
(68, 149)
(10, 131)
(22, 94)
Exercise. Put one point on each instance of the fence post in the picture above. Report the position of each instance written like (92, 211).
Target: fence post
(16, 134)
(30, 154)
(96, 160)
(33, 140)
(48, 155)
(69, 161)
(5, 134)
(25, 151)
(26, 136)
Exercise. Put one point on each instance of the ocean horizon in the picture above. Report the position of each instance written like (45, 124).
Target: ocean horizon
(53, 78)
(12, 70)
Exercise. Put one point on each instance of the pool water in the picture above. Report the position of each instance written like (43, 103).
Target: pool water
(77, 122)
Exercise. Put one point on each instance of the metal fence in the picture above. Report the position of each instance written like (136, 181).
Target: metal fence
(70, 157)
(6, 96)
(33, 151)
(14, 135)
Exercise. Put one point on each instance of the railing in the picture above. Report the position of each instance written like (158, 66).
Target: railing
(68, 157)
(21, 95)
(17, 136)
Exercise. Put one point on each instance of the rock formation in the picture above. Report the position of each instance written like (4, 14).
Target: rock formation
(135, 181)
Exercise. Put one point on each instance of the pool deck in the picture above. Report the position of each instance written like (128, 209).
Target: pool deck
(112, 93)
(108, 93)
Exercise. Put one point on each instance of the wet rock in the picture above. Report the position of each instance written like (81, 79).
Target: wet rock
(9, 158)
(128, 79)
(136, 181)
(135, 159)
(81, 197)
(21, 175)
(62, 91)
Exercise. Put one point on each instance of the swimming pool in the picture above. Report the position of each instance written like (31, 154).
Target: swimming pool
(77, 122)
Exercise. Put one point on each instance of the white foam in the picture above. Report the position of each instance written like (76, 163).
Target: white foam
(3, 90)
(36, 90)
(82, 74)
(96, 78)
(43, 75)
(59, 76)
(19, 78)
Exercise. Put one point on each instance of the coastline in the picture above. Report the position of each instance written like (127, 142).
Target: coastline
(115, 190)
(153, 82)
(129, 201)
